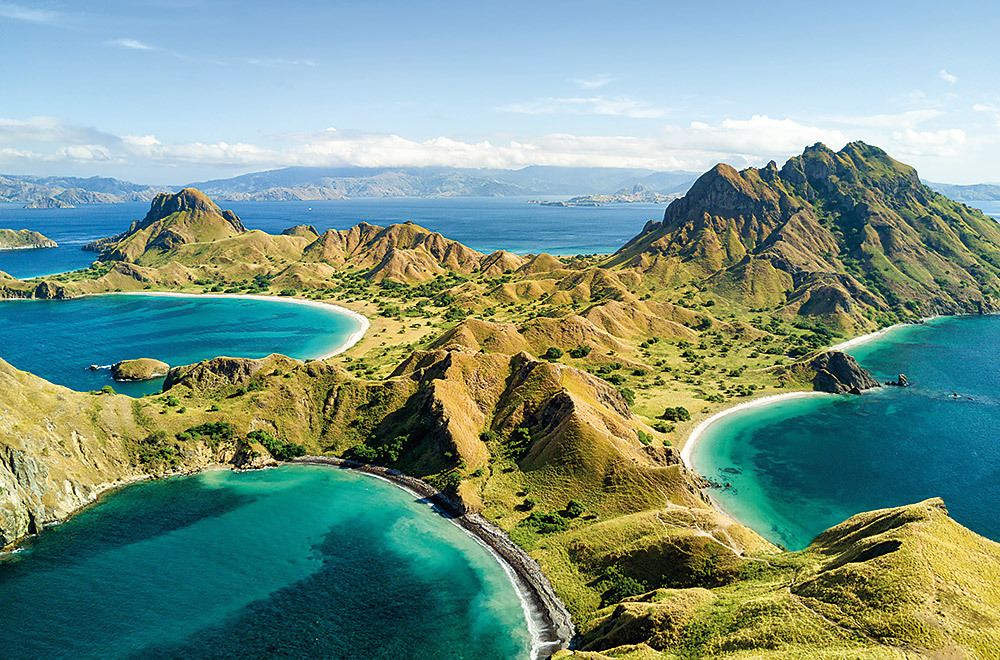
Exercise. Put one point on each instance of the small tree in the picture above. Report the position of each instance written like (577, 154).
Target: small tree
(553, 354)
(678, 414)
(575, 508)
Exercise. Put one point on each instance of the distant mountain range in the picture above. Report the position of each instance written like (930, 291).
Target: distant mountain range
(61, 192)
(319, 183)
(979, 192)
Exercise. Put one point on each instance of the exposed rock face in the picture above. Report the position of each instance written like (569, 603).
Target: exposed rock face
(222, 371)
(139, 369)
(899, 382)
(819, 235)
(839, 373)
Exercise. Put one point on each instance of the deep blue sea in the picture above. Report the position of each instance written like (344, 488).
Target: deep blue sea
(59, 339)
(482, 223)
(295, 562)
(801, 466)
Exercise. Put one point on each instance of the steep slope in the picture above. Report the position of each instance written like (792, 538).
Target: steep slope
(849, 236)
(403, 252)
(895, 583)
(173, 220)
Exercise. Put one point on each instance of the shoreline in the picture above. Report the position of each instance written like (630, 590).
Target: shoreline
(864, 339)
(363, 323)
(538, 598)
(695, 436)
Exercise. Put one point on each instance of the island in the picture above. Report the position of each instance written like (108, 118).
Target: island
(24, 239)
(637, 194)
(48, 203)
(139, 369)
(553, 397)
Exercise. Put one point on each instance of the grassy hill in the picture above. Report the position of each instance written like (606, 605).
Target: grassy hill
(553, 395)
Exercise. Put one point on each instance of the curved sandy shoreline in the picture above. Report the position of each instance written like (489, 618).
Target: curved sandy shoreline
(549, 622)
(695, 437)
(352, 339)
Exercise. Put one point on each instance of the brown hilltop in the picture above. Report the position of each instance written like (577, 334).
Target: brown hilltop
(830, 234)
(173, 220)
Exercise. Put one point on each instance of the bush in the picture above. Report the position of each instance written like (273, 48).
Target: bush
(546, 522)
(107, 389)
(628, 395)
(678, 414)
(552, 354)
(575, 509)
(645, 438)
(579, 352)
(280, 450)
(617, 587)
(213, 433)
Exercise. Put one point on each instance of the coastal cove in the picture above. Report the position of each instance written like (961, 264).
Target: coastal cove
(800, 463)
(59, 339)
(245, 561)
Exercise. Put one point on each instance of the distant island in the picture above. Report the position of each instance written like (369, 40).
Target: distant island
(978, 192)
(24, 239)
(49, 203)
(637, 194)
(335, 183)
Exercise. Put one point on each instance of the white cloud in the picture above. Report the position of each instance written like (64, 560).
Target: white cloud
(927, 143)
(47, 142)
(596, 82)
(132, 44)
(947, 77)
(29, 14)
(908, 119)
(279, 62)
(593, 105)
(985, 107)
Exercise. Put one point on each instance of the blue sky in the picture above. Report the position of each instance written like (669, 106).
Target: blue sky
(165, 91)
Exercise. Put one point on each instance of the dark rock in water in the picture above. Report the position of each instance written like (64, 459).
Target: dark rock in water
(899, 382)
(839, 373)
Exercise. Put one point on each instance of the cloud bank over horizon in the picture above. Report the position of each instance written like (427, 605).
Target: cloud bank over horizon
(40, 145)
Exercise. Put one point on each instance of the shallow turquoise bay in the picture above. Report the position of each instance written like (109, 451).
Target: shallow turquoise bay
(298, 561)
(800, 466)
(59, 339)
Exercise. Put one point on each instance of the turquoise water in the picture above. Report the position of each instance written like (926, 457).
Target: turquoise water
(801, 466)
(293, 562)
(59, 339)
(482, 223)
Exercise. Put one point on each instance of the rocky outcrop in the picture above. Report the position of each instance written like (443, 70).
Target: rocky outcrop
(899, 382)
(139, 369)
(839, 373)
(24, 239)
(224, 371)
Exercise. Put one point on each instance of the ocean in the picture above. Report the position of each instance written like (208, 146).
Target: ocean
(800, 466)
(297, 561)
(59, 339)
(482, 223)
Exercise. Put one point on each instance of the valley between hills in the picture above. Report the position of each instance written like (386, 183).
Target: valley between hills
(553, 396)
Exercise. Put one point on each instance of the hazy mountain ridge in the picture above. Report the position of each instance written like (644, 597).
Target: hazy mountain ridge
(977, 192)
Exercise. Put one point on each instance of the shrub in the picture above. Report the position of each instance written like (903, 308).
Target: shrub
(575, 509)
(552, 353)
(546, 522)
(628, 395)
(579, 352)
(678, 414)
(280, 450)
(645, 438)
(213, 433)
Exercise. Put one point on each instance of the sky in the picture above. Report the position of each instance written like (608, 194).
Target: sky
(175, 91)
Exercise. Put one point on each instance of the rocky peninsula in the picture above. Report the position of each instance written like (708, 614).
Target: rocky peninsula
(24, 239)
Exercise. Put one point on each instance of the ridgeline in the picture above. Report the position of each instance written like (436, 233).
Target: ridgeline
(552, 395)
